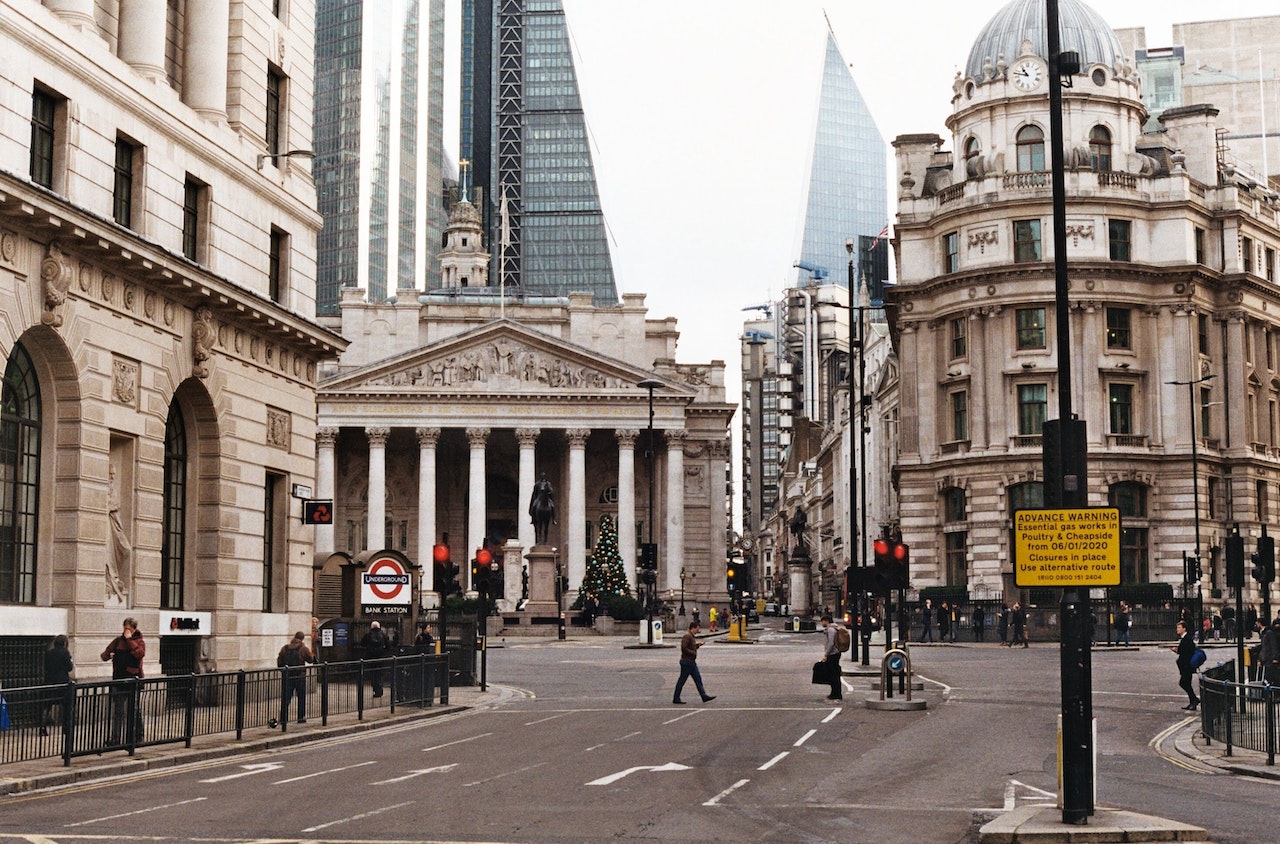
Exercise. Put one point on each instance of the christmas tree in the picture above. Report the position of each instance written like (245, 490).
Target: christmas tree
(605, 576)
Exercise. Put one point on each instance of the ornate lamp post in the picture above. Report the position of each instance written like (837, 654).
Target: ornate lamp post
(651, 561)
(1195, 489)
(684, 576)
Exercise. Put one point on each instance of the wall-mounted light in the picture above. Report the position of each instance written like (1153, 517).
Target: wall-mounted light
(1028, 365)
(276, 156)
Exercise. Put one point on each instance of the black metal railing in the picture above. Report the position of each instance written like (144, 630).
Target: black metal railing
(1239, 715)
(80, 719)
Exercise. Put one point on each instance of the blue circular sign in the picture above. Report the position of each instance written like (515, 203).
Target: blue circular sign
(896, 663)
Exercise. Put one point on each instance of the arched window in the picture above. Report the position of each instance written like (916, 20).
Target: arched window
(1029, 495)
(1100, 148)
(1130, 499)
(1030, 149)
(972, 150)
(173, 552)
(19, 478)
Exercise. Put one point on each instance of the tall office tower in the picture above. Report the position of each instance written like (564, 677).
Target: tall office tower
(522, 114)
(847, 191)
(379, 144)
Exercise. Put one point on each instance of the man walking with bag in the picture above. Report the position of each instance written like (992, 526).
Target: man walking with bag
(831, 655)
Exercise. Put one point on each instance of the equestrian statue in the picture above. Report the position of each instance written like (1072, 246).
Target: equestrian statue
(542, 509)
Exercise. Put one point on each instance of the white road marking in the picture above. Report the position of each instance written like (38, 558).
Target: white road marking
(946, 690)
(548, 718)
(358, 817)
(612, 778)
(804, 738)
(503, 774)
(249, 770)
(715, 801)
(452, 743)
(137, 812)
(681, 717)
(833, 715)
(438, 769)
(775, 760)
(322, 773)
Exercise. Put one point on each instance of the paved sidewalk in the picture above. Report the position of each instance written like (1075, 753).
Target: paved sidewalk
(1190, 743)
(17, 777)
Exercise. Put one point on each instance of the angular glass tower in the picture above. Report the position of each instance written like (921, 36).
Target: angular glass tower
(379, 144)
(847, 193)
(521, 114)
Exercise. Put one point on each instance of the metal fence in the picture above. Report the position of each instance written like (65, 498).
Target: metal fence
(80, 719)
(1239, 714)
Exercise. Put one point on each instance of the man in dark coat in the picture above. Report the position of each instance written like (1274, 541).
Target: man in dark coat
(376, 646)
(293, 658)
(978, 621)
(1018, 619)
(926, 617)
(57, 672)
(1184, 649)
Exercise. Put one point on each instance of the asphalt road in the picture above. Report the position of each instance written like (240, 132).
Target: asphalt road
(584, 746)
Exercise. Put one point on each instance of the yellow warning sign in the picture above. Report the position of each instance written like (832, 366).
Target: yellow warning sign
(1067, 547)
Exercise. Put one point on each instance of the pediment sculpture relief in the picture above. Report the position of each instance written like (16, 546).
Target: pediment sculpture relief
(501, 362)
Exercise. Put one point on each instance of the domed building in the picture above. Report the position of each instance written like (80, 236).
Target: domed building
(1175, 319)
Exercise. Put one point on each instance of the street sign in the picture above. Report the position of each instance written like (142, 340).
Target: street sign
(1067, 548)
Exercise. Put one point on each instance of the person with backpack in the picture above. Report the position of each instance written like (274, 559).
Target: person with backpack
(1185, 648)
(831, 655)
(376, 645)
(292, 658)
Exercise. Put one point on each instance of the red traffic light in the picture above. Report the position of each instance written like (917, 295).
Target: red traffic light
(880, 547)
(899, 551)
(483, 557)
(440, 553)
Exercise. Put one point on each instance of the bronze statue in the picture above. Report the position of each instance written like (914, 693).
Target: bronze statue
(542, 509)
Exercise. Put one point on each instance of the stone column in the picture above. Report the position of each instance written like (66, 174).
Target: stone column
(577, 509)
(141, 35)
(377, 524)
(476, 437)
(528, 440)
(77, 13)
(427, 439)
(673, 558)
(326, 438)
(627, 500)
(205, 49)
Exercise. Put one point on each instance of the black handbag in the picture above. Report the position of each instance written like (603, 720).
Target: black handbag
(821, 673)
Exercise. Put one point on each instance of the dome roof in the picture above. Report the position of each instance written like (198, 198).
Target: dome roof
(1080, 29)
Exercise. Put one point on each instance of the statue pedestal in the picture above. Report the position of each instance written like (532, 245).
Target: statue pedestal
(542, 581)
(800, 572)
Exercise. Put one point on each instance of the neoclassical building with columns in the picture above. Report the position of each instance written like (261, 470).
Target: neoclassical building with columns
(444, 411)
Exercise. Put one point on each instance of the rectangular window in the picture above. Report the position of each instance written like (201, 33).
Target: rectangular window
(194, 201)
(1199, 245)
(1269, 340)
(1246, 253)
(1033, 402)
(1202, 331)
(1121, 402)
(959, 337)
(1270, 257)
(277, 264)
(957, 570)
(1031, 333)
(1214, 491)
(123, 190)
(1133, 555)
(1205, 427)
(1118, 331)
(1262, 501)
(951, 248)
(954, 509)
(960, 416)
(1118, 239)
(275, 114)
(44, 107)
(1026, 240)
(274, 523)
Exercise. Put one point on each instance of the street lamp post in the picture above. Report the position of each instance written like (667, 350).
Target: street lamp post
(683, 577)
(857, 449)
(651, 576)
(1195, 483)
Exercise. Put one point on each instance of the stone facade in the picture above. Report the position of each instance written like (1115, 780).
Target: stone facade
(156, 284)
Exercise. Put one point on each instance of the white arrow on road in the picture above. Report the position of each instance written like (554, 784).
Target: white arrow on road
(612, 778)
(438, 769)
(249, 770)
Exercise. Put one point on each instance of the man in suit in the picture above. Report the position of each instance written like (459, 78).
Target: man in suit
(1184, 649)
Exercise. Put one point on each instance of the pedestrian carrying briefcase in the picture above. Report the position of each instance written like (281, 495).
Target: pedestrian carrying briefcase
(821, 674)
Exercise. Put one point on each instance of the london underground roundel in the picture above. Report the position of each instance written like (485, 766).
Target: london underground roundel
(385, 581)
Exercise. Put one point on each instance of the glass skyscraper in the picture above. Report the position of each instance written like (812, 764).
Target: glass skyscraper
(847, 192)
(379, 144)
(523, 127)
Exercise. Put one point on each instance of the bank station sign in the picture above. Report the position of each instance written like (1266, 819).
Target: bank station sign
(1067, 548)
(385, 587)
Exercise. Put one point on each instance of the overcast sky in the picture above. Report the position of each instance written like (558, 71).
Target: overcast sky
(702, 115)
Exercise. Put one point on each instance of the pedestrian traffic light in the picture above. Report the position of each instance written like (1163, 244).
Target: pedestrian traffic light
(1264, 560)
(731, 578)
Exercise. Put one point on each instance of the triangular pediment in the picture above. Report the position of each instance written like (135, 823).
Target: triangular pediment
(502, 356)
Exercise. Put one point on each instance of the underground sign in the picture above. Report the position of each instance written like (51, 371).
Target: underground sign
(385, 582)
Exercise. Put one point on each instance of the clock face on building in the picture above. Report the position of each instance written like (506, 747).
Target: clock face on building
(1026, 75)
